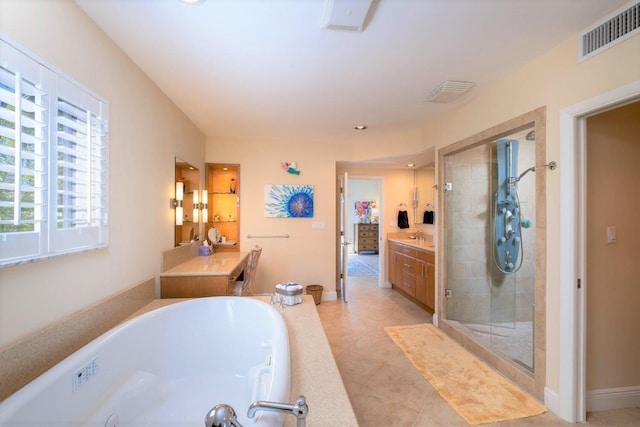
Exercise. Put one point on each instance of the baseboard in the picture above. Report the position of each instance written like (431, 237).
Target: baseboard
(552, 401)
(613, 398)
(329, 296)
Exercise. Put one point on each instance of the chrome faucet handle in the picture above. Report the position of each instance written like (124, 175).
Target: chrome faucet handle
(300, 409)
(221, 415)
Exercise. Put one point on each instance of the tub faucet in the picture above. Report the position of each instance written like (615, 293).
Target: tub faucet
(300, 409)
(221, 415)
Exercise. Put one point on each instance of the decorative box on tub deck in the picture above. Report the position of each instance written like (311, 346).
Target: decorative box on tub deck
(291, 293)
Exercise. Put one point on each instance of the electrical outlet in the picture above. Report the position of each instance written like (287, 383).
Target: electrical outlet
(85, 373)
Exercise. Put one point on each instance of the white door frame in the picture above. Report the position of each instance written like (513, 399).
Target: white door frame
(572, 329)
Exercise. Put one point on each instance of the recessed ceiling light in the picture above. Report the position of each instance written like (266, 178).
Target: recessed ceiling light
(192, 1)
(360, 127)
(410, 165)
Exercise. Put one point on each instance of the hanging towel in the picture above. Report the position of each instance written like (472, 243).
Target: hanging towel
(403, 219)
(428, 217)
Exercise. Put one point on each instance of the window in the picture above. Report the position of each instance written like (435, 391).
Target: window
(53, 162)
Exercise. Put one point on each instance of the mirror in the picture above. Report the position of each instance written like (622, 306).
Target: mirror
(189, 176)
(424, 196)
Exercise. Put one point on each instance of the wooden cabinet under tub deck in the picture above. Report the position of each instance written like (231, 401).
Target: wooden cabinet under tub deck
(412, 272)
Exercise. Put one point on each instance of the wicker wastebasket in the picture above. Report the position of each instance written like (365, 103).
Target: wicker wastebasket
(316, 292)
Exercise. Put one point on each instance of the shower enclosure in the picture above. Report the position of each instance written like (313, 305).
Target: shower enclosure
(493, 240)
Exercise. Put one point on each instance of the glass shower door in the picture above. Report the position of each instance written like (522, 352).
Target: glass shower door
(488, 292)
(513, 277)
(468, 287)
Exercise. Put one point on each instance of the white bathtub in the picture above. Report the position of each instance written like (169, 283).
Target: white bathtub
(168, 367)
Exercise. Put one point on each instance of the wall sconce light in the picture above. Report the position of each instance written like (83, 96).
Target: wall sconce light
(205, 210)
(197, 206)
(177, 202)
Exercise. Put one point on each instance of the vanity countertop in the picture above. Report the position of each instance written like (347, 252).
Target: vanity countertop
(217, 264)
(427, 246)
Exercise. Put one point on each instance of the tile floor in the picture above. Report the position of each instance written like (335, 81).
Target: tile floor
(383, 386)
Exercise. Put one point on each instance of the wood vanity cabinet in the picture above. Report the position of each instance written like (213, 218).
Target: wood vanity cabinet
(412, 272)
(395, 263)
(366, 238)
(425, 279)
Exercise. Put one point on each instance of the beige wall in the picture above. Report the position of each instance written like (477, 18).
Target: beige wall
(613, 284)
(307, 256)
(146, 132)
(555, 80)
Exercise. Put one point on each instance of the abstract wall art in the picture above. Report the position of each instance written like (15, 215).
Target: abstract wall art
(364, 211)
(288, 201)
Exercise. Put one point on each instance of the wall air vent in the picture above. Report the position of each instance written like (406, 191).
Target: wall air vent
(448, 91)
(608, 32)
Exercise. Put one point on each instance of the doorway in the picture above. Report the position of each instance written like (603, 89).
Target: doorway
(612, 319)
(574, 281)
(364, 227)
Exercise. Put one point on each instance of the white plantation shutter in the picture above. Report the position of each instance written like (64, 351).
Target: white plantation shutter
(53, 162)
(23, 118)
(80, 153)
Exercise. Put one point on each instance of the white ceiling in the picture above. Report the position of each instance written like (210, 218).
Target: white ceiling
(266, 70)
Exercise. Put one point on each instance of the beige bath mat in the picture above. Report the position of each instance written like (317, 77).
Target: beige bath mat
(478, 393)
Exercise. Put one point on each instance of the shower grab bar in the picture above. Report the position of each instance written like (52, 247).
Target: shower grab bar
(282, 236)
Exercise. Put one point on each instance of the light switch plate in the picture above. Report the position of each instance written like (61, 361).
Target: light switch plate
(612, 235)
(317, 225)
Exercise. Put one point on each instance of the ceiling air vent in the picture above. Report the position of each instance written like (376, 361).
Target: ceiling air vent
(448, 91)
(610, 31)
(349, 15)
